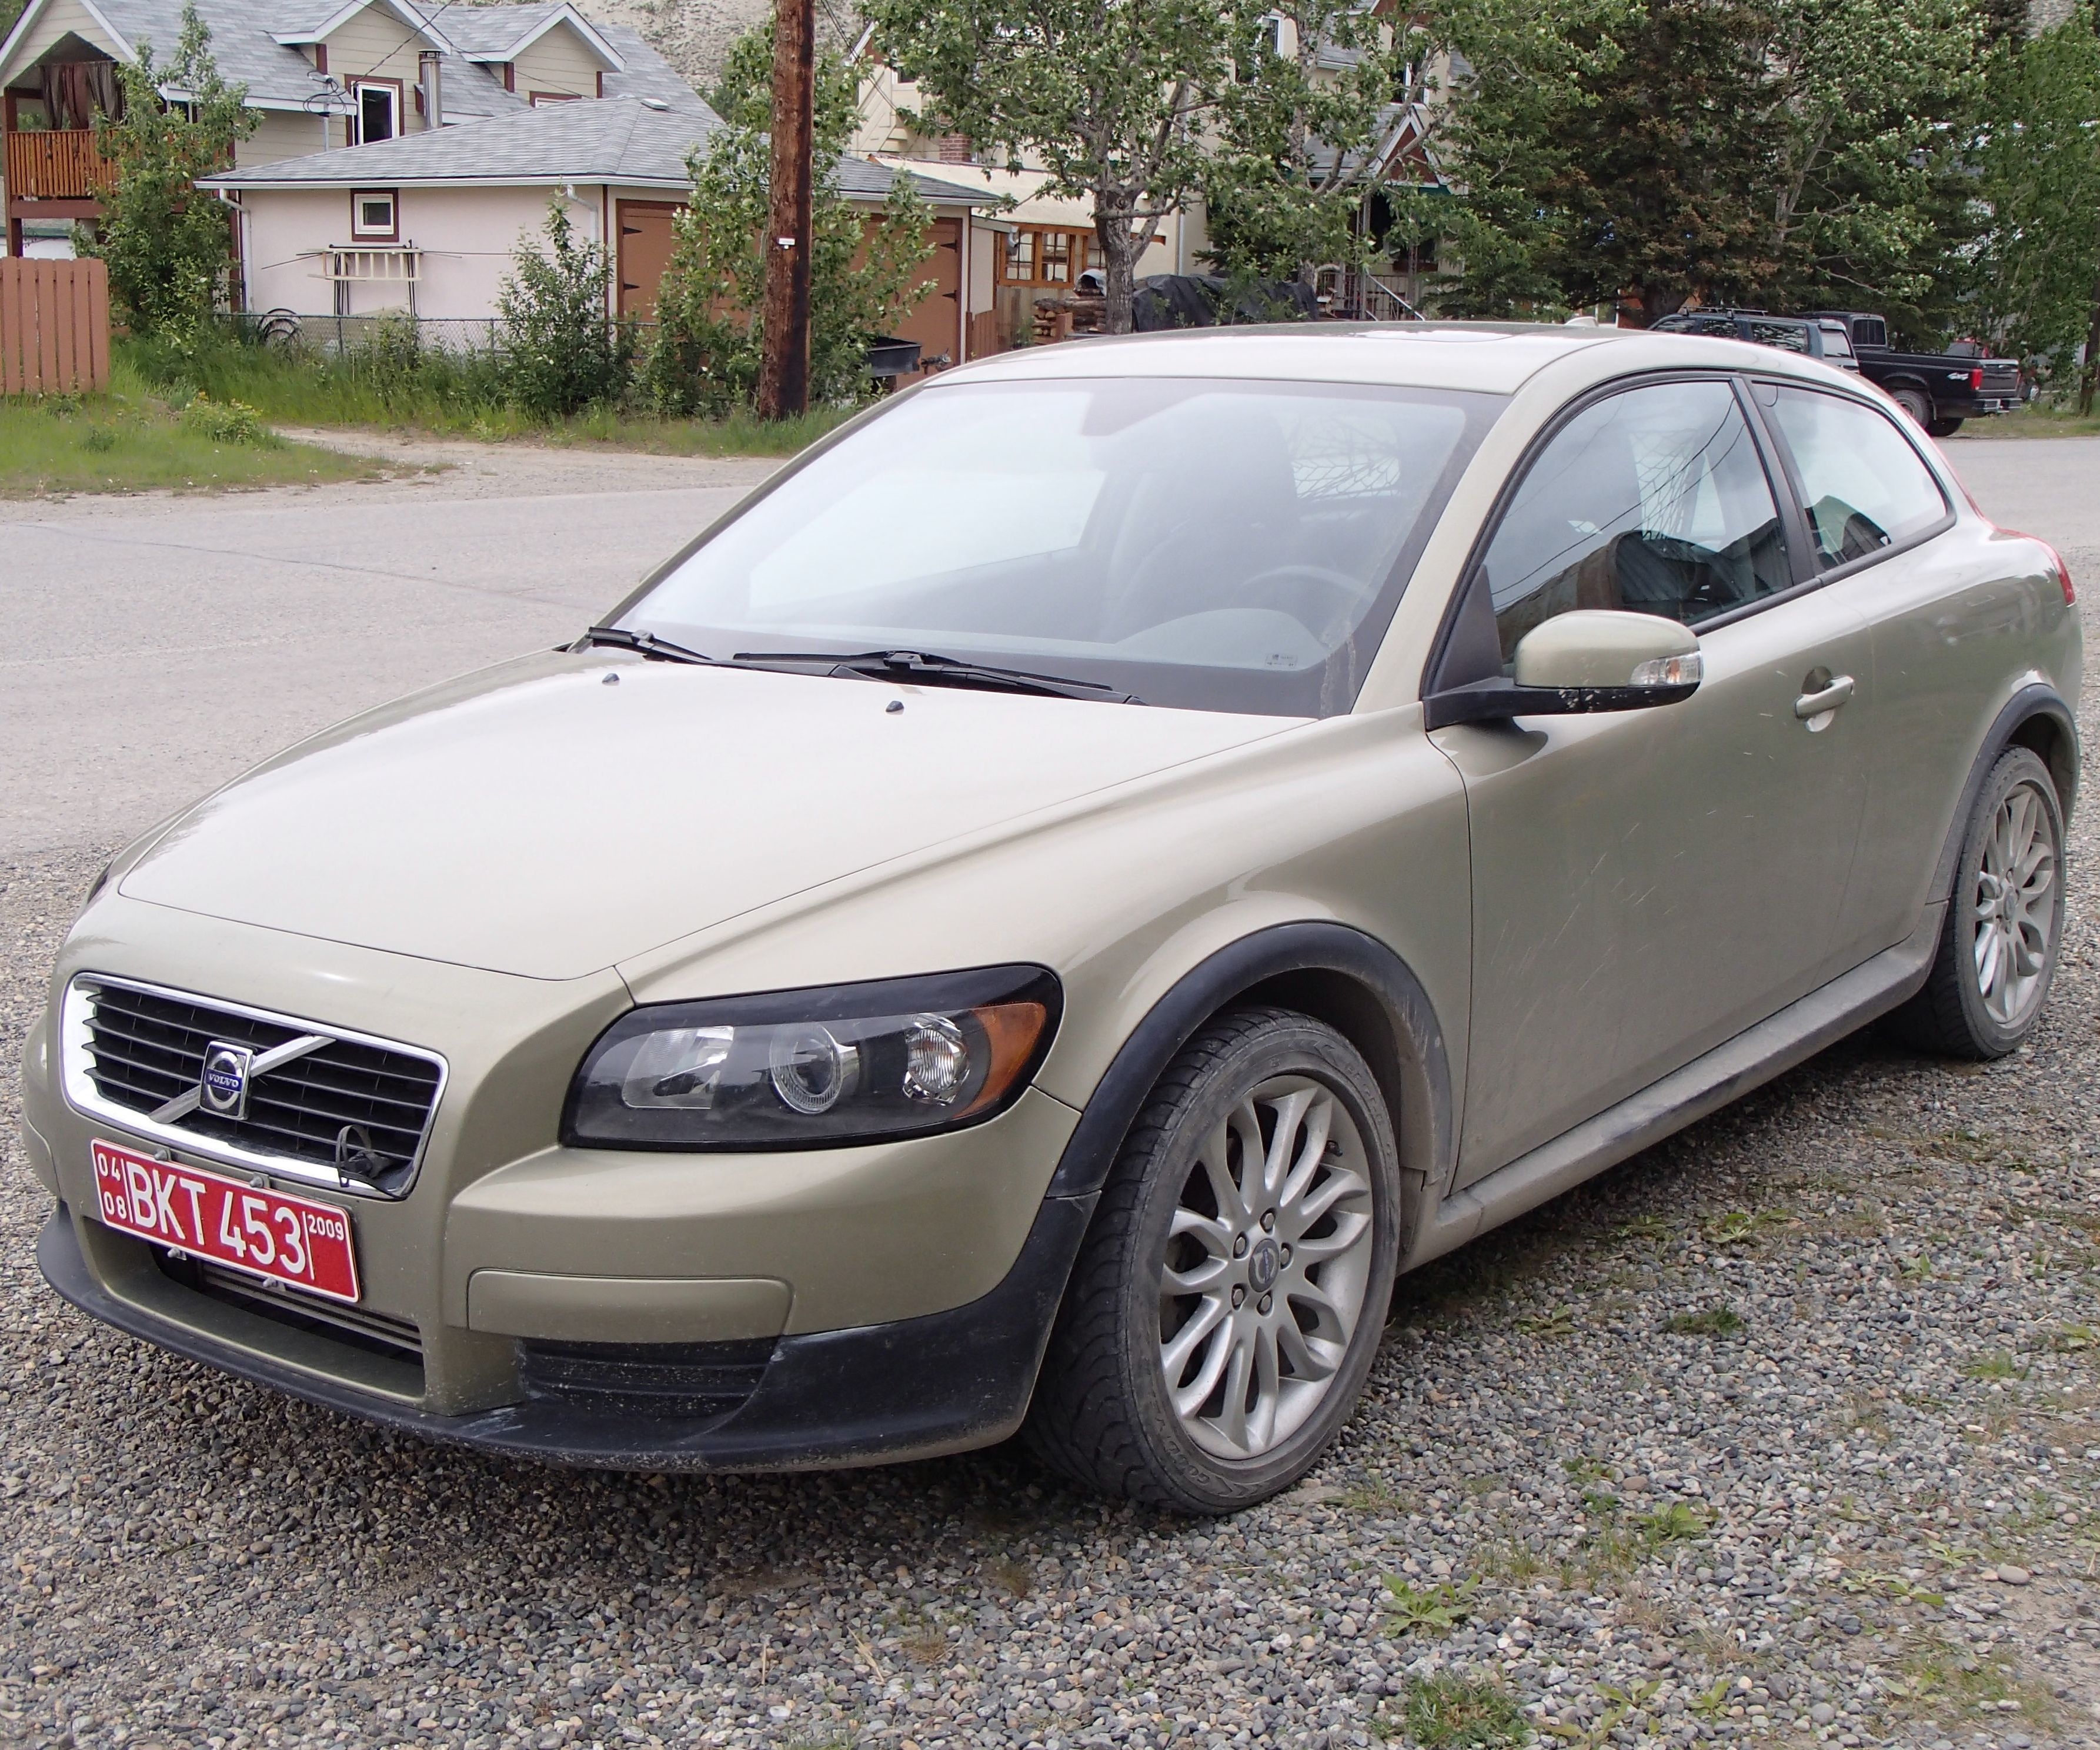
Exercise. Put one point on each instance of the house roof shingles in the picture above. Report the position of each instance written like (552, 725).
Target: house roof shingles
(621, 140)
(244, 43)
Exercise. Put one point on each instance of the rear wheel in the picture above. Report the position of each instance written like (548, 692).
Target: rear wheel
(1229, 1298)
(1913, 402)
(2005, 920)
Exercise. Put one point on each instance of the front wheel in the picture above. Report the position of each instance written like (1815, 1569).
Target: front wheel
(1229, 1298)
(2005, 920)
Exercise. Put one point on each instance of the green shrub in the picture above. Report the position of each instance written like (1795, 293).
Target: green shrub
(99, 438)
(561, 354)
(225, 421)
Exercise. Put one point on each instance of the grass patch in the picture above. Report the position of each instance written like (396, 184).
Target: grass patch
(446, 394)
(1998, 1366)
(131, 440)
(1715, 1321)
(2034, 422)
(1942, 1681)
(1447, 1711)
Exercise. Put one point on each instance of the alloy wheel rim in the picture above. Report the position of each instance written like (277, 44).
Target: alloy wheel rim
(2013, 907)
(1265, 1268)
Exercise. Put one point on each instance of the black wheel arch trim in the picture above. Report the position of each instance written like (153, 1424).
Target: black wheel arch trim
(1313, 967)
(2031, 702)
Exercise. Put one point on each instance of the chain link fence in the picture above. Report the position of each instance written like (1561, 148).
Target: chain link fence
(391, 332)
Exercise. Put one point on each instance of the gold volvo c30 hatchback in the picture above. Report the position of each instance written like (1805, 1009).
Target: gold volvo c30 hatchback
(1034, 918)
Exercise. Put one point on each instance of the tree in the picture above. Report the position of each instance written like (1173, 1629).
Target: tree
(1648, 152)
(168, 248)
(2037, 155)
(1111, 97)
(562, 352)
(706, 352)
(1284, 188)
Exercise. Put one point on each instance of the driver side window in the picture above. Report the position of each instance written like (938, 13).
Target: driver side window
(1654, 500)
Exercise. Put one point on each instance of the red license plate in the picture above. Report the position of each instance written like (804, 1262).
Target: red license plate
(266, 1233)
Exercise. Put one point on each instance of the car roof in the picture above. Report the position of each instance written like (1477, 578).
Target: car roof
(1495, 358)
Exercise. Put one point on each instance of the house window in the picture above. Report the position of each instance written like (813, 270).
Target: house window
(375, 215)
(378, 109)
(1049, 255)
(537, 98)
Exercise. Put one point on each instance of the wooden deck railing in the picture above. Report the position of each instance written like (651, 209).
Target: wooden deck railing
(56, 165)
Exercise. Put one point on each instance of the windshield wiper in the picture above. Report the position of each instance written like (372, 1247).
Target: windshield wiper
(922, 665)
(646, 642)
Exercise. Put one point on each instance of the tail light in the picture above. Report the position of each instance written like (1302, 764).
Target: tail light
(1976, 377)
(2055, 559)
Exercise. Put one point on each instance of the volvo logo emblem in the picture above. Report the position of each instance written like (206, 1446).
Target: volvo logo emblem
(223, 1084)
(1262, 1266)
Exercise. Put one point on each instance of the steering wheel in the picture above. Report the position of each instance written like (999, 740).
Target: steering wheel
(1344, 594)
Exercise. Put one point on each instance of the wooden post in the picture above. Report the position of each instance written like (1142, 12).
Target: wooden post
(783, 378)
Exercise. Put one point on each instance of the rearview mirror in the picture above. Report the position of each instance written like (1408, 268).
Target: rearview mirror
(1592, 660)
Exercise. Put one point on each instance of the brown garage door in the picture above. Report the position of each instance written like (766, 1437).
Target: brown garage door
(933, 322)
(644, 251)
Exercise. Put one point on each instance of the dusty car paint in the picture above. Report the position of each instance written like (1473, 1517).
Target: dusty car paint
(543, 846)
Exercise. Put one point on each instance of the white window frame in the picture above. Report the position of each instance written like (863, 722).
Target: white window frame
(360, 231)
(392, 91)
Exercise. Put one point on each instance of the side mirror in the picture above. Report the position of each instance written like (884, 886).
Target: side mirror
(1592, 660)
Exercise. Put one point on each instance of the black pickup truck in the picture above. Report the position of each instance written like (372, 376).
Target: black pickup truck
(1937, 389)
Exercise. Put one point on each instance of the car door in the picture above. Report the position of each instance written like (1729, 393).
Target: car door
(1936, 609)
(1647, 884)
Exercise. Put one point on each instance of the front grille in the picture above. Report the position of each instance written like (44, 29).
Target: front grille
(375, 1332)
(349, 1099)
(684, 1381)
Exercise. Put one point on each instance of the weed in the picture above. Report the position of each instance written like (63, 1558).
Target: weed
(1439, 1607)
(1741, 1226)
(1998, 1366)
(1917, 1268)
(1014, 1577)
(225, 421)
(1903, 1590)
(1645, 1228)
(1512, 1562)
(1675, 1523)
(1583, 1470)
(1711, 1703)
(1941, 1681)
(99, 440)
(1560, 1322)
(2073, 1338)
(1715, 1321)
(1448, 1712)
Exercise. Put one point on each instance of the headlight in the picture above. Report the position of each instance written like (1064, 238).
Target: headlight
(815, 1068)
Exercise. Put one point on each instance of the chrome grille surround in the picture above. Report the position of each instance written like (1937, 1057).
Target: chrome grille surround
(391, 1089)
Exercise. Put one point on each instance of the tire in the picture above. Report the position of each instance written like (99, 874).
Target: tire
(1103, 1414)
(1913, 402)
(1942, 428)
(1991, 978)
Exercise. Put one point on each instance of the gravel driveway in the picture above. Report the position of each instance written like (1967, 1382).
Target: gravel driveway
(1785, 1432)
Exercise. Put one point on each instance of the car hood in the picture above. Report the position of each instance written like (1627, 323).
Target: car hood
(560, 813)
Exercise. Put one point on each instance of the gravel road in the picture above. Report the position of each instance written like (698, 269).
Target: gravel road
(1785, 1432)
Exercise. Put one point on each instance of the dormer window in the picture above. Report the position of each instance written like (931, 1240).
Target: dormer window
(378, 109)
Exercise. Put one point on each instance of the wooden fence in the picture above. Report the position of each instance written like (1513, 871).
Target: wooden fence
(54, 327)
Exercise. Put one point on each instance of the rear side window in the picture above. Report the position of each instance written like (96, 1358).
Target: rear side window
(1837, 344)
(1789, 337)
(1654, 501)
(1863, 485)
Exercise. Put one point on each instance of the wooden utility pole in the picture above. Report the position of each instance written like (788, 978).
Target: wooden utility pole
(783, 378)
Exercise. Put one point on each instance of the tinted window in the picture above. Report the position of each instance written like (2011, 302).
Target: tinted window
(1837, 344)
(1789, 337)
(1653, 501)
(1863, 484)
(1226, 545)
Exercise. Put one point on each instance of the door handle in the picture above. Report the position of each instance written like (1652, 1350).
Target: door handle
(1827, 698)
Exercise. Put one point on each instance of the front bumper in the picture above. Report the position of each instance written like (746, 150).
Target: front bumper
(917, 1388)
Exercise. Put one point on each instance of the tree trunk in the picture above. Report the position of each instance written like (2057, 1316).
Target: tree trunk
(1120, 250)
(783, 378)
(2092, 374)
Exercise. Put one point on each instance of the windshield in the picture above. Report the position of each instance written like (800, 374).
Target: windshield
(1221, 545)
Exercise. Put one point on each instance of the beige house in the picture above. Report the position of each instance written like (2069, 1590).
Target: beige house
(320, 75)
(428, 223)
